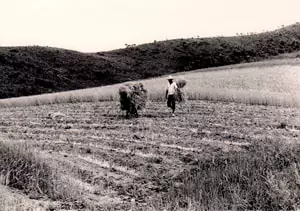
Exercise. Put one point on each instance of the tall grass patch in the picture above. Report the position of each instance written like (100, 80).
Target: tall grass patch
(266, 177)
(23, 169)
(276, 85)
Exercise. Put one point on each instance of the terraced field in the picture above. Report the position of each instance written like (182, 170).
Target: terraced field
(119, 163)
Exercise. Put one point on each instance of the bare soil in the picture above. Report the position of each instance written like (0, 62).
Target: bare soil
(122, 163)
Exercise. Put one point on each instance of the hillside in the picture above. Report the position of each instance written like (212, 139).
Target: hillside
(36, 70)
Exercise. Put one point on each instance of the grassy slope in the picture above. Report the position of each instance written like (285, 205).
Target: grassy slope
(36, 70)
(274, 82)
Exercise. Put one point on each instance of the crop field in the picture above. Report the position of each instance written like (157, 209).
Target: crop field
(233, 145)
(274, 82)
(106, 162)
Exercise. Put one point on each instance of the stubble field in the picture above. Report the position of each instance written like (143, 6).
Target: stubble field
(108, 162)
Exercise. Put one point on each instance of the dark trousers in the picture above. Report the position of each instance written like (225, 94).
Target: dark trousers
(171, 102)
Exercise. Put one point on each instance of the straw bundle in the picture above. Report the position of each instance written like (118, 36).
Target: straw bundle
(180, 95)
(132, 98)
(181, 83)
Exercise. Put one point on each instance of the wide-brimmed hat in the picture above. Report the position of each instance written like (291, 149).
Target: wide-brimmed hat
(170, 77)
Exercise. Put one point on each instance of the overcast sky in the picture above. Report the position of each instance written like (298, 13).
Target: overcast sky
(97, 25)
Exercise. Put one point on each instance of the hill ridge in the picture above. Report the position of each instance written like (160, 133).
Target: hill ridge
(35, 70)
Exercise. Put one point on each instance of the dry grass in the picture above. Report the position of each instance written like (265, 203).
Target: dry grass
(266, 177)
(12, 201)
(268, 83)
(21, 169)
(279, 85)
(25, 170)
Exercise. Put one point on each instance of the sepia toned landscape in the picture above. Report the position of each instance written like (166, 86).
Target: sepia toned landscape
(149, 105)
(223, 150)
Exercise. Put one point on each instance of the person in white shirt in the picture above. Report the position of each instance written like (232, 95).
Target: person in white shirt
(170, 93)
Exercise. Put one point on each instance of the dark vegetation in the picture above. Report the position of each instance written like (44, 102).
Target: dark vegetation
(36, 70)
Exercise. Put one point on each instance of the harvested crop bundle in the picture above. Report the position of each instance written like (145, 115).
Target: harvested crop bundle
(133, 97)
(180, 94)
(125, 95)
(181, 83)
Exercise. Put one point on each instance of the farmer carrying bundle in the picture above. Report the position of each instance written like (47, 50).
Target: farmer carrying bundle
(133, 97)
(174, 93)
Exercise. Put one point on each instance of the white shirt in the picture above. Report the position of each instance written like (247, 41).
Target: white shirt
(172, 88)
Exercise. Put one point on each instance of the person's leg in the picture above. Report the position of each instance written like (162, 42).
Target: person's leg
(173, 104)
(169, 101)
(173, 107)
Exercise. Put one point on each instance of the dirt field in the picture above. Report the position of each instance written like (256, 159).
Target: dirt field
(122, 163)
